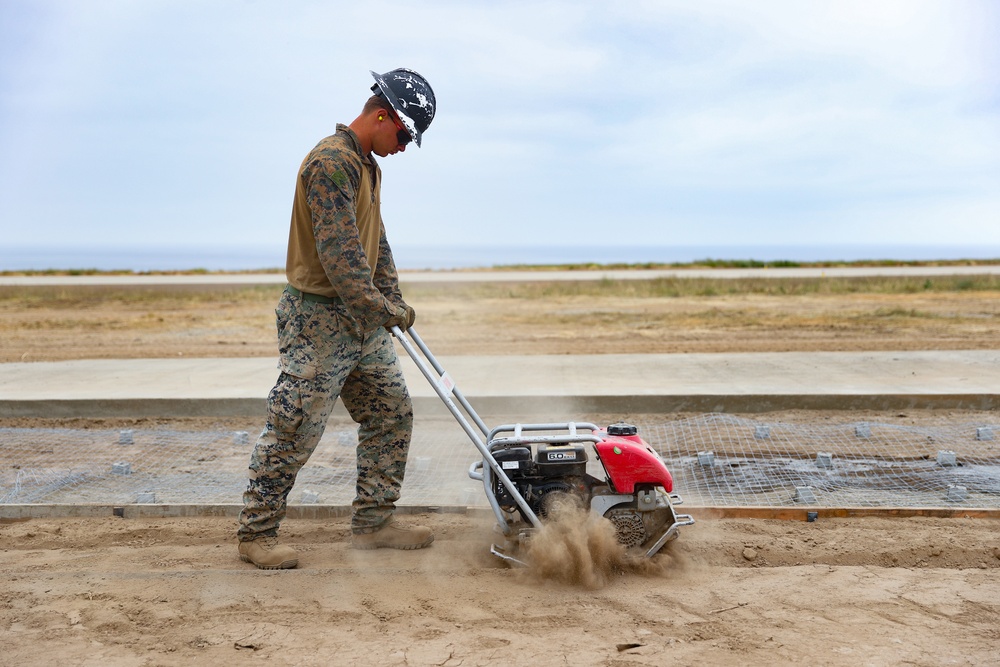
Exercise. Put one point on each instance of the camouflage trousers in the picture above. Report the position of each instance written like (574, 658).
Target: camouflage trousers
(324, 356)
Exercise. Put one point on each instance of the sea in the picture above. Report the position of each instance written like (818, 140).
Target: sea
(443, 258)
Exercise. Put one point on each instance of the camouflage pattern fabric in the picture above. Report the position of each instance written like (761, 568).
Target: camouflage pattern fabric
(335, 209)
(337, 249)
(324, 355)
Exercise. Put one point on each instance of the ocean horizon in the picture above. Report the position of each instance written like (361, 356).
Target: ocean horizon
(257, 258)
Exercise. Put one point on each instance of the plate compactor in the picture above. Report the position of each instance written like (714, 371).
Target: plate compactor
(526, 468)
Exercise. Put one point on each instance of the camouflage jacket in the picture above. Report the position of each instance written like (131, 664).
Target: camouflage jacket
(337, 244)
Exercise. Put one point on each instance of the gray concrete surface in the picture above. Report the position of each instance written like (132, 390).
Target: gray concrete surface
(532, 385)
(516, 276)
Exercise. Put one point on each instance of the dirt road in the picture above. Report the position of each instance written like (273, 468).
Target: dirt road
(728, 592)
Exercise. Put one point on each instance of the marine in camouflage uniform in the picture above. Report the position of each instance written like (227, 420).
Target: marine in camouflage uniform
(332, 321)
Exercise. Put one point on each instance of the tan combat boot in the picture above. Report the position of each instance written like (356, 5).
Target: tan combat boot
(391, 536)
(267, 554)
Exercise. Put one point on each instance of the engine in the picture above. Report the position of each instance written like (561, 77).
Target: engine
(634, 497)
(542, 478)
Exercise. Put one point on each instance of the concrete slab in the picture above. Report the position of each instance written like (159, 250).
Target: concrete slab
(531, 384)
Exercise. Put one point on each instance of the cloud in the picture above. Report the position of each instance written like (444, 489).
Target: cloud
(559, 122)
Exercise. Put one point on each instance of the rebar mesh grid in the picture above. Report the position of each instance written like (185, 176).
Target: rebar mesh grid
(721, 460)
(716, 460)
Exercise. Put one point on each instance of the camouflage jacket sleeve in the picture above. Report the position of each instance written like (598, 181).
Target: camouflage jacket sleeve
(332, 182)
(386, 279)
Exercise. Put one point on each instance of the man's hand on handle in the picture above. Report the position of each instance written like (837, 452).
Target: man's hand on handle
(403, 318)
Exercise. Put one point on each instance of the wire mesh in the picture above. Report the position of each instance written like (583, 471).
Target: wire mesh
(716, 460)
(721, 460)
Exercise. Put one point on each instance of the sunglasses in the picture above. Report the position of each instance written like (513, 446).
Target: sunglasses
(402, 136)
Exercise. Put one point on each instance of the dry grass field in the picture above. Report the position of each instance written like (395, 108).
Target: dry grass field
(585, 317)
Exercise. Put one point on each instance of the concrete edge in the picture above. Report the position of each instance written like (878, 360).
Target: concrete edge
(527, 405)
(15, 513)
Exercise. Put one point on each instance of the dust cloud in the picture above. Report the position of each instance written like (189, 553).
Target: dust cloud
(579, 548)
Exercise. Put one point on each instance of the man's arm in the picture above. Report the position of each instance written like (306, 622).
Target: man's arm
(331, 188)
(386, 279)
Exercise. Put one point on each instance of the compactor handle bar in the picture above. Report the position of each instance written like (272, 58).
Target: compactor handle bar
(445, 388)
(442, 382)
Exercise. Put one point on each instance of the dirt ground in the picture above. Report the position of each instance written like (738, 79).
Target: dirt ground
(872, 591)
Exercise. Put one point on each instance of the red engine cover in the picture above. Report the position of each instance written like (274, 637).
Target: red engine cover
(628, 461)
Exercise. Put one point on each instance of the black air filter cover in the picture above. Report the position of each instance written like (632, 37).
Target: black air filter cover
(621, 428)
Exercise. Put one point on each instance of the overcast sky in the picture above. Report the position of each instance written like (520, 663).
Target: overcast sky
(183, 122)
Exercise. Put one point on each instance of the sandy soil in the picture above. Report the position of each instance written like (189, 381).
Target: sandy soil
(728, 592)
(878, 591)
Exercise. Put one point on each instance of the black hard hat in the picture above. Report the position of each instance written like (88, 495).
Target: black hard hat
(411, 98)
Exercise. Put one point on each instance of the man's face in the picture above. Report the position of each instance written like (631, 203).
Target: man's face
(392, 137)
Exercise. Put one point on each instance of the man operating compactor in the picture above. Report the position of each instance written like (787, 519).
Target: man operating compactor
(333, 320)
